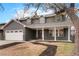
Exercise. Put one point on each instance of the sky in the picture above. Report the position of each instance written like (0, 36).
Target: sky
(11, 8)
(9, 11)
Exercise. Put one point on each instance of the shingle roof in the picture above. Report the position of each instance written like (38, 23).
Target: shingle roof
(67, 22)
(54, 24)
(14, 21)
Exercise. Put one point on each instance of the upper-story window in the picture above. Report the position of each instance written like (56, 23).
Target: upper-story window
(28, 21)
(50, 19)
(58, 18)
(42, 19)
(63, 17)
(35, 21)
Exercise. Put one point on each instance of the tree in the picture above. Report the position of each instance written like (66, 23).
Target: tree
(74, 18)
(60, 8)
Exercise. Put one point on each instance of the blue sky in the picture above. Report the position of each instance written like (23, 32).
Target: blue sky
(10, 11)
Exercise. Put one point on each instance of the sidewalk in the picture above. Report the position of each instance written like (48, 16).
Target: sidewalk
(3, 42)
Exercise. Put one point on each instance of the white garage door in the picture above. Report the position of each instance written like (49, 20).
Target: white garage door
(14, 35)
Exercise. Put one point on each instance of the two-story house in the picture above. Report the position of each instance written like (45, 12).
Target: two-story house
(47, 27)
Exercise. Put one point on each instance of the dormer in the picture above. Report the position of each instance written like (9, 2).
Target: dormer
(28, 21)
(42, 19)
(35, 19)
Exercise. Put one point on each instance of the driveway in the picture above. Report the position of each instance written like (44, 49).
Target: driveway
(4, 42)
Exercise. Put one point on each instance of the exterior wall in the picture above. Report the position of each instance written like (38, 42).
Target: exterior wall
(1, 35)
(13, 26)
(50, 19)
(29, 34)
(42, 20)
(35, 21)
(47, 35)
(28, 21)
(58, 18)
(65, 36)
(55, 19)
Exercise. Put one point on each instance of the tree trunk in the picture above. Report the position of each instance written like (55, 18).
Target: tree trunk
(75, 20)
(77, 42)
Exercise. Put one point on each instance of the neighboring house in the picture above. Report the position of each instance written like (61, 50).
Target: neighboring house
(1, 31)
(48, 27)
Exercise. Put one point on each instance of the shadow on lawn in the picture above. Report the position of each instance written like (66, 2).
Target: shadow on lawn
(50, 51)
(9, 45)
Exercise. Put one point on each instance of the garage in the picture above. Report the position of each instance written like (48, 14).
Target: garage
(13, 35)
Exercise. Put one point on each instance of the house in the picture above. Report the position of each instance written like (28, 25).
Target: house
(48, 27)
(1, 31)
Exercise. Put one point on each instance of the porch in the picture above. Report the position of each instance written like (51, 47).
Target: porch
(54, 34)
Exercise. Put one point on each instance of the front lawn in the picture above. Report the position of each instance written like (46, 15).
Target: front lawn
(39, 49)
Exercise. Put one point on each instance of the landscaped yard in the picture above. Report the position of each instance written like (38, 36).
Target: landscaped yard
(38, 49)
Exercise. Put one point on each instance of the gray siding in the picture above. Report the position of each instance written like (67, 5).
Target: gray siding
(13, 26)
(50, 19)
(35, 21)
(29, 34)
(55, 19)
(47, 35)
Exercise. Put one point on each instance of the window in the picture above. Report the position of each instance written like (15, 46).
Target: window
(50, 32)
(20, 31)
(16, 31)
(28, 21)
(63, 17)
(36, 21)
(61, 32)
(42, 20)
(11, 31)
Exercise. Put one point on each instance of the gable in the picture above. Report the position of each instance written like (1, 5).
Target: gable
(13, 26)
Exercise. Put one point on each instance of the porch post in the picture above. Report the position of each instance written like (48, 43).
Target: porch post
(54, 33)
(36, 33)
(42, 33)
(69, 34)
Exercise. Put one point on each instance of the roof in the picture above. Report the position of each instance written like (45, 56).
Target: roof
(50, 15)
(14, 21)
(35, 16)
(65, 23)
(54, 24)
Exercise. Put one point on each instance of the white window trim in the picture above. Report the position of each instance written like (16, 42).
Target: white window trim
(9, 31)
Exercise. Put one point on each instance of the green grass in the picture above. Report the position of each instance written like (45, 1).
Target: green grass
(65, 49)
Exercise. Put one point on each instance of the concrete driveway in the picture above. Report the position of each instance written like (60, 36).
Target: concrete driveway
(3, 42)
